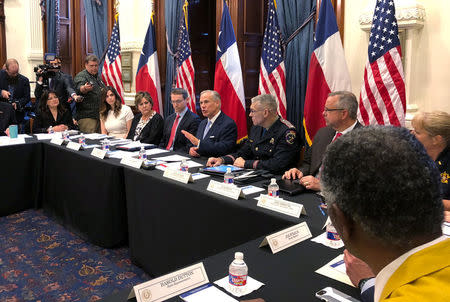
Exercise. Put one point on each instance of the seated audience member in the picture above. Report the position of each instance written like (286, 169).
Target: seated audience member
(7, 118)
(147, 126)
(272, 143)
(383, 196)
(217, 133)
(181, 119)
(341, 108)
(115, 118)
(52, 113)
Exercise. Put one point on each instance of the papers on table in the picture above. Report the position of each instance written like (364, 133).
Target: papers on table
(323, 240)
(155, 151)
(95, 136)
(173, 157)
(121, 154)
(91, 146)
(335, 269)
(252, 285)
(44, 136)
(196, 176)
(120, 141)
(206, 293)
(247, 190)
(446, 229)
(7, 141)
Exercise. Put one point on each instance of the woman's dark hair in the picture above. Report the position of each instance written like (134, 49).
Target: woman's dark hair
(105, 107)
(142, 95)
(44, 99)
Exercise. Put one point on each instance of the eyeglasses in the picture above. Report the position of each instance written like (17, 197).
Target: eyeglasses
(332, 109)
(177, 101)
(253, 111)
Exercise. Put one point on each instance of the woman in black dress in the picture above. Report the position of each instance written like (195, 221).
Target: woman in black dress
(53, 114)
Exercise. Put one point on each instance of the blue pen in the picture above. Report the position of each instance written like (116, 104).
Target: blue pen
(323, 213)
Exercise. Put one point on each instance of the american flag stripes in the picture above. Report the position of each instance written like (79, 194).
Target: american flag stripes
(112, 66)
(272, 78)
(185, 67)
(382, 98)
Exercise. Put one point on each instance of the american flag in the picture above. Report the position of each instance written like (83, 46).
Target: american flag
(382, 99)
(112, 66)
(185, 67)
(272, 78)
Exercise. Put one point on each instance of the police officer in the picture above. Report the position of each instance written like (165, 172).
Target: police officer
(272, 143)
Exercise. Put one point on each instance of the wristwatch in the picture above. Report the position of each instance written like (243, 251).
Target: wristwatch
(362, 282)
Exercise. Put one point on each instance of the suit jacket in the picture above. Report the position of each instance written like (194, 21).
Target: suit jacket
(189, 122)
(220, 139)
(423, 276)
(314, 155)
(63, 85)
(7, 117)
(21, 91)
(45, 119)
(151, 133)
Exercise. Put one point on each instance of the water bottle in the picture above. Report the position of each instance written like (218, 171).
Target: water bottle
(228, 178)
(184, 166)
(237, 277)
(273, 189)
(82, 140)
(142, 153)
(332, 235)
(65, 135)
(105, 145)
(50, 130)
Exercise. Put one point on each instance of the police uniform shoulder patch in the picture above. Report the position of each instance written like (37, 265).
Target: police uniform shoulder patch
(290, 137)
(287, 123)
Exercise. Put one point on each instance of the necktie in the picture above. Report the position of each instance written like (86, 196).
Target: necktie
(172, 133)
(339, 134)
(208, 125)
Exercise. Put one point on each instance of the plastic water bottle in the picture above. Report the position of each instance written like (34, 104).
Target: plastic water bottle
(228, 178)
(237, 277)
(50, 130)
(82, 140)
(142, 153)
(332, 235)
(273, 189)
(105, 145)
(184, 166)
(65, 135)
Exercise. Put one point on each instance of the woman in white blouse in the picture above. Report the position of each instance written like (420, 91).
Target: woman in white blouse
(115, 118)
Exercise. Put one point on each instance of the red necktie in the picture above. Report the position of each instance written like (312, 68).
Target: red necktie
(339, 134)
(172, 133)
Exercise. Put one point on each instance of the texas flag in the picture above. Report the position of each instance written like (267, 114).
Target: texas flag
(147, 76)
(228, 77)
(328, 70)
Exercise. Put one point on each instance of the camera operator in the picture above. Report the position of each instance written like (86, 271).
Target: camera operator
(50, 76)
(15, 88)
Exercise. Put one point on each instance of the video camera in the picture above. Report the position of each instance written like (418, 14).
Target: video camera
(47, 70)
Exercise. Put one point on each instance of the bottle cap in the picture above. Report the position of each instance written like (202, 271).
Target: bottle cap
(228, 170)
(239, 255)
(273, 181)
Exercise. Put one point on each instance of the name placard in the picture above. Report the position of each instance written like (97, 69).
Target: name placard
(99, 153)
(73, 146)
(224, 189)
(178, 175)
(170, 285)
(56, 141)
(280, 205)
(287, 237)
(131, 162)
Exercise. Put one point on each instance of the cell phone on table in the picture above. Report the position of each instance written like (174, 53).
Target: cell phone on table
(330, 294)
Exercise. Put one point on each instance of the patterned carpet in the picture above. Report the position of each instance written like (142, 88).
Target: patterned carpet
(42, 261)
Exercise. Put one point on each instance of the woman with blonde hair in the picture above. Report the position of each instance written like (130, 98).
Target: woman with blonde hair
(115, 118)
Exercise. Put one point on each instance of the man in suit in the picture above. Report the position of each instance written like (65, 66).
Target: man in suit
(181, 119)
(61, 83)
(383, 196)
(217, 133)
(272, 143)
(341, 108)
(15, 88)
(7, 118)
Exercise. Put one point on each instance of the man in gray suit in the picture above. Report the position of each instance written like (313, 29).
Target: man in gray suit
(340, 112)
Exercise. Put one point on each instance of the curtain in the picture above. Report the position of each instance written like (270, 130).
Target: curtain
(291, 15)
(96, 16)
(52, 12)
(173, 14)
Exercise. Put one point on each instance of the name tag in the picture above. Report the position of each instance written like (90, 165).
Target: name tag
(224, 189)
(170, 285)
(178, 175)
(287, 237)
(74, 146)
(99, 153)
(131, 162)
(57, 141)
(280, 205)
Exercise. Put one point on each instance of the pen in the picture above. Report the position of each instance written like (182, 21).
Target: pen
(323, 213)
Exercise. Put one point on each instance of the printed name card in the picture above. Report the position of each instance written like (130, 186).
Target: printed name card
(57, 141)
(178, 175)
(170, 285)
(224, 189)
(280, 205)
(287, 237)
(99, 153)
(131, 162)
(73, 146)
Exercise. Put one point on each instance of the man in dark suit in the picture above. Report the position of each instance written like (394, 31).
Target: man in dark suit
(217, 133)
(341, 108)
(7, 117)
(181, 119)
(15, 88)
